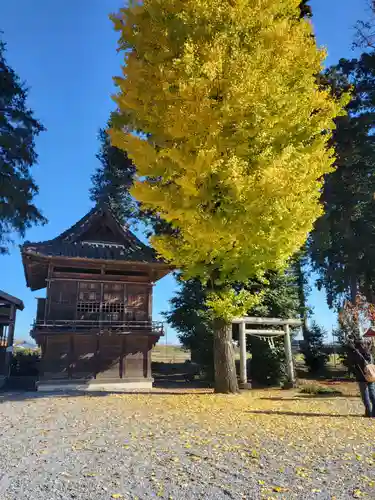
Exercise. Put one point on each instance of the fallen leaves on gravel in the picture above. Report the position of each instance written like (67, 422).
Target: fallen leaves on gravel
(262, 444)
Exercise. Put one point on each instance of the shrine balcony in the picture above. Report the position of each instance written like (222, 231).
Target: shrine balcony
(41, 327)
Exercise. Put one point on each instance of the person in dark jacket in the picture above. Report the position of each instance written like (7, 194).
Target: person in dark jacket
(359, 356)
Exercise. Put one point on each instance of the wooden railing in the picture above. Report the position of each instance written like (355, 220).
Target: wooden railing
(123, 327)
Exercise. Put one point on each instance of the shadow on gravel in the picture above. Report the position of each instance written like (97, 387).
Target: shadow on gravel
(308, 397)
(22, 396)
(301, 414)
(162, 387)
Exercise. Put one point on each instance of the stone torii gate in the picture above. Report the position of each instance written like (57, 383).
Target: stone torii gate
(283, 329)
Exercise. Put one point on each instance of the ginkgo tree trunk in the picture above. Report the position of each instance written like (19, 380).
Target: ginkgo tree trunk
(225, 304)
(219, 109)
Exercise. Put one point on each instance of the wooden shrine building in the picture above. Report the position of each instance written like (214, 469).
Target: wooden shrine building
(8, 310)
(95, 324)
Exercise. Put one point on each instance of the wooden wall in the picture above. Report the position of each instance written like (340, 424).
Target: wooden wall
(93, 300)
(93, 294)
(105, 356)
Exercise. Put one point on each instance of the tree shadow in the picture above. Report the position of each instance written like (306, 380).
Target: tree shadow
(301, 414)
(28, 395)
(24, 388)
(305, 397)
(330, 374)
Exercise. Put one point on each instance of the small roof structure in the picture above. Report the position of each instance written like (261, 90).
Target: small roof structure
(97, 236)
(370, 333)
(6, 297)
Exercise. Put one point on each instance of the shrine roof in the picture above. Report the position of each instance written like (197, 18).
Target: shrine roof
(98, 235)
(6, 297)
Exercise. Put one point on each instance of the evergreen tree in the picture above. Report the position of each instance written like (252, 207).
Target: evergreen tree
(267, 366)
(189, 315)
(280, 300)
(226, 98)
(342, 244)
(306, 11)
(113, 179)
(347, 331)
(18, 130)
(299, 265)
(313, 349)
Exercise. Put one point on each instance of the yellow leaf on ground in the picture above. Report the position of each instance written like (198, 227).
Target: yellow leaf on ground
(279, 489)
(358, 493)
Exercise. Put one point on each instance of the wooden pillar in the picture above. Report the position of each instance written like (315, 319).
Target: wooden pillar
(243, 365)
(71, 357)
(43, 342)
(10, 340)
(289, 359)
(97, 356)
(145, 360)
(122, 357)
(149, 305)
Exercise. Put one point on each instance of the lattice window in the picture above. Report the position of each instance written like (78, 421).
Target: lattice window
(88, 307)
(119, 302)
(113, 307)
(113, 311)
(88, 311)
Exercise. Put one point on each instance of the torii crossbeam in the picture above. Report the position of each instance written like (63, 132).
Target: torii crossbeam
(284, 330)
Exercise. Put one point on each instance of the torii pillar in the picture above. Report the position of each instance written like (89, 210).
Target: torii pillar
(244, 383)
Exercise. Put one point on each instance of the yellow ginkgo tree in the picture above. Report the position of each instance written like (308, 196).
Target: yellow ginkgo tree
(219, 109)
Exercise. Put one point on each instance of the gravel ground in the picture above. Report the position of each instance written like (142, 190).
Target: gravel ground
(260, 445)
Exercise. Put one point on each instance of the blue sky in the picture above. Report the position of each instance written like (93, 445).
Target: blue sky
(66, 52)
